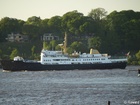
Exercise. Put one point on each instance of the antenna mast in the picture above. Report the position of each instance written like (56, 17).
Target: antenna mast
(65, 43)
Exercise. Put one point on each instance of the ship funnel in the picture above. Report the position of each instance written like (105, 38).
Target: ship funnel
(94, 51)
(91, 51)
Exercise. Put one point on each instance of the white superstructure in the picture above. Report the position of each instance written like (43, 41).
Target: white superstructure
(57, 57)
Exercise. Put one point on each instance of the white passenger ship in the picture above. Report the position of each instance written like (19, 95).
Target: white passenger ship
(94, 57)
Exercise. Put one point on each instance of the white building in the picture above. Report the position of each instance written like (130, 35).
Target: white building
(17, 38)
(49, 36)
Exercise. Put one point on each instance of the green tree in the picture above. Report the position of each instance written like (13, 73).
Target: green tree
(71, 22)
(14, 53)
(53, 44)
(33, 50)
(138, 55)
(7, 26)
(88, 27)
(45, 27)
(45, 45)
(32, 27)
(131, 30)
(99, 17)
(94, 42)
(0, 53)
(55, 24)
(97, 14)
(58, 47)
(70, 50)
(34, 20)
(135, 59)
(31, 30)
(125, 25)
(76, 46)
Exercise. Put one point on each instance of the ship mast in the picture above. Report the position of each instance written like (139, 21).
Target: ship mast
(65, 44)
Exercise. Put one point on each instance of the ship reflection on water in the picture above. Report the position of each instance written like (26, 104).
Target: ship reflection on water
(89, 87)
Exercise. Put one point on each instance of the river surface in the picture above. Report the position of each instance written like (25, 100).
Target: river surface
(78, 87)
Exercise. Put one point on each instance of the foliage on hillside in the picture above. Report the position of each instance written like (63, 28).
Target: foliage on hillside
(115, 33)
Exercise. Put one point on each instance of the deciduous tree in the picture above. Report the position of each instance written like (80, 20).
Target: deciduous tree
(14, 53)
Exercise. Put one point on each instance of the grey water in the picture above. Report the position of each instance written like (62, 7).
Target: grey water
(73, 87)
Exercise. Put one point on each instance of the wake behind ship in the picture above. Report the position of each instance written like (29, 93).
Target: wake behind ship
(60, 60)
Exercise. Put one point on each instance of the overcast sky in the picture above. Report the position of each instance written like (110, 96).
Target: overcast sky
(23, 9)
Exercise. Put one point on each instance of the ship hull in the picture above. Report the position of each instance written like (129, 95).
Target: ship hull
(11, 65)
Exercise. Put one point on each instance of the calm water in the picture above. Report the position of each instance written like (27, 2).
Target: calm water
(121, 87)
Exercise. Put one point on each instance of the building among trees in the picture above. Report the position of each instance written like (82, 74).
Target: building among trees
(49, 37)
(17, 38)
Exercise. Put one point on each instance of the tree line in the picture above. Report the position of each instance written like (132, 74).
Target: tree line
(114, 33)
